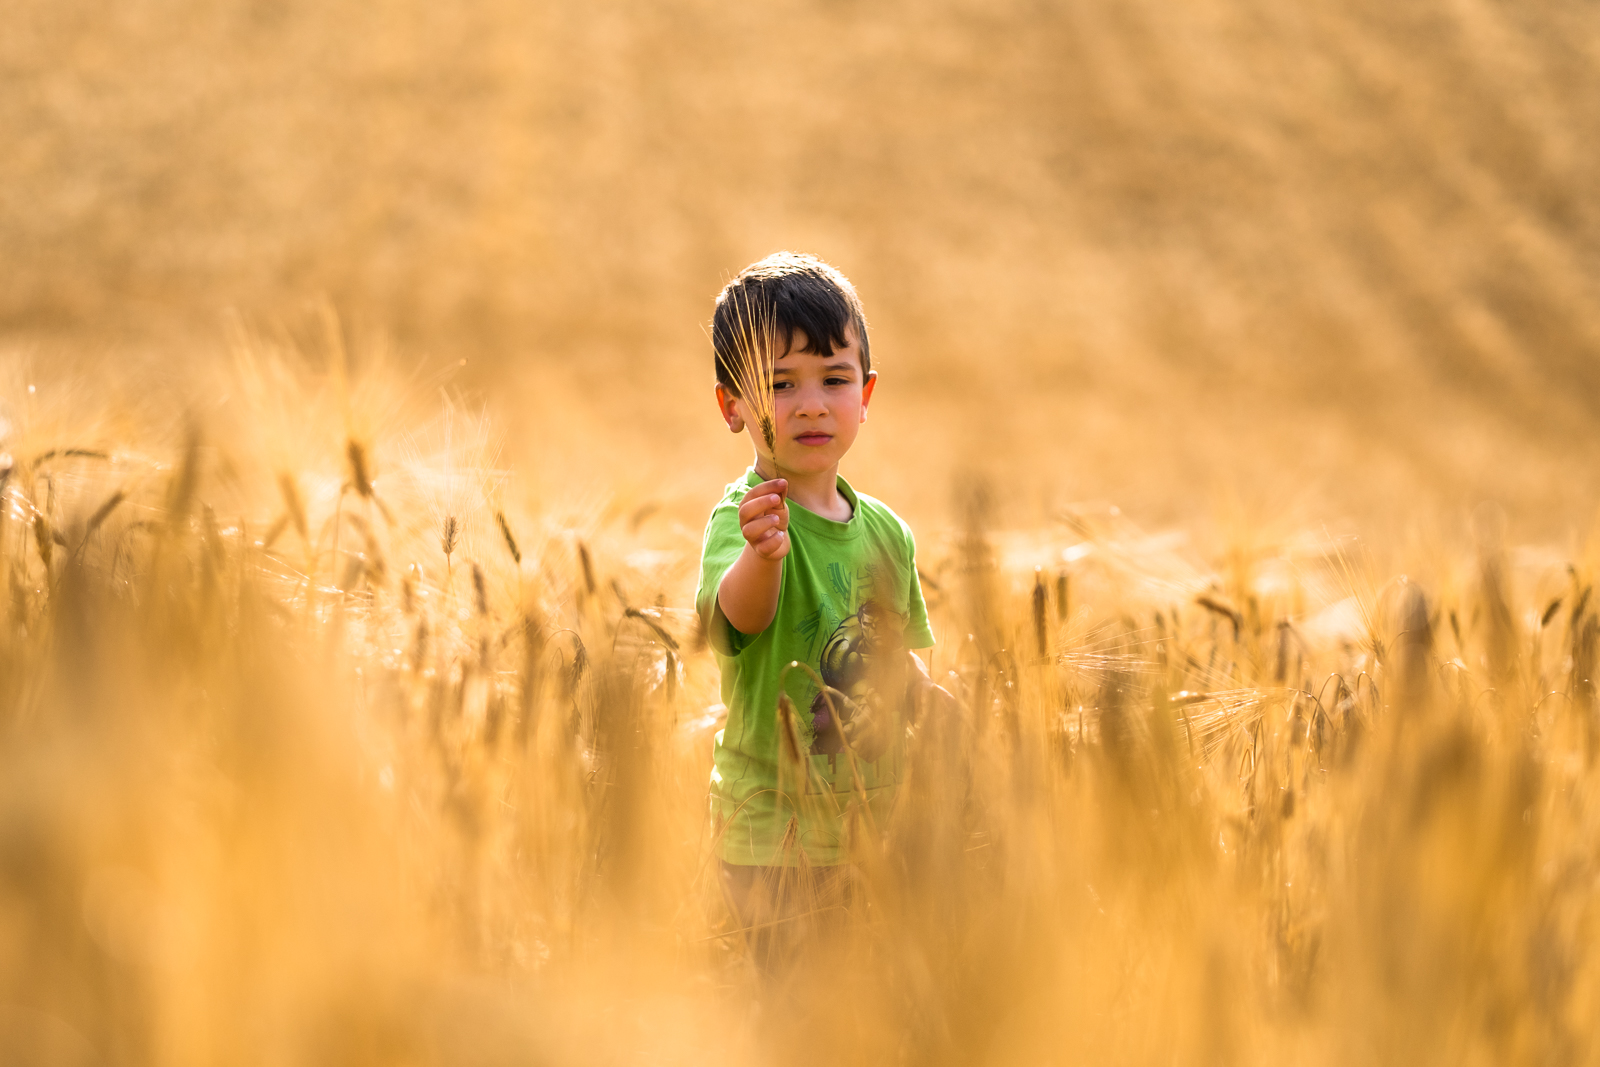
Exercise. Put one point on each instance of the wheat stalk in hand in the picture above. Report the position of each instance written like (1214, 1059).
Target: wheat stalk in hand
(755, 354)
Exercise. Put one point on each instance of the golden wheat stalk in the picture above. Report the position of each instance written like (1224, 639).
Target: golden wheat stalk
(505, 533)
(755, 352)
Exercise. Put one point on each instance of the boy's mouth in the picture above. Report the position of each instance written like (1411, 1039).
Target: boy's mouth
(814, 438)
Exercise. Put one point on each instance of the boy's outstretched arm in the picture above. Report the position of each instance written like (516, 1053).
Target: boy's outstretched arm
(748, 595)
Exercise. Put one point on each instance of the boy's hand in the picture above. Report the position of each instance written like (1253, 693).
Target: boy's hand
(764, 519)
(748, 596)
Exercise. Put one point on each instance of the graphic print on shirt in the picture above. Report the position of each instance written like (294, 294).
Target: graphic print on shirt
(858, 664)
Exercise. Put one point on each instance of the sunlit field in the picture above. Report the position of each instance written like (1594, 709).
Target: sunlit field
(323, 746)
(1240, 378)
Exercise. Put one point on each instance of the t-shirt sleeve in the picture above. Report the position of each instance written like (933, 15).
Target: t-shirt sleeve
(918, 633)
(723, 542)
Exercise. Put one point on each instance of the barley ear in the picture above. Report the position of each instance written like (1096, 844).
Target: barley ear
(754, 337)
(290, 490)
(505, 533)
(360, 471)
(788, 728)
(449, 536)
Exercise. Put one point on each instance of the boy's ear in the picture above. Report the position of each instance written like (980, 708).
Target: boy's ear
(727, 404)
(866, 392)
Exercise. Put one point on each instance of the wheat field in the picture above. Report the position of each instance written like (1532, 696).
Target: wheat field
(1240, 378)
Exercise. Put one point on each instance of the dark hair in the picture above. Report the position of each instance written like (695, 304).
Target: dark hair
(804, 294)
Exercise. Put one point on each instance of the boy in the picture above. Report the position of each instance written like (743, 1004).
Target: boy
(801, 567)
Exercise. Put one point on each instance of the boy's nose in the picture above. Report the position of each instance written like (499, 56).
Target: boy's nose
(810, 402)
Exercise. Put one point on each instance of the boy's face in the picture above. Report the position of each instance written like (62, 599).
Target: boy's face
(821, 402)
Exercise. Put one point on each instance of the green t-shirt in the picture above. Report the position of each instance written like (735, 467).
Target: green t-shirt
(849, 606)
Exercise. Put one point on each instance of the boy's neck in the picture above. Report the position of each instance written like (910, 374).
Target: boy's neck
(818, 493)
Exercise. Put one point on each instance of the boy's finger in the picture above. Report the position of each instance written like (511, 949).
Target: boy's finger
(757, 505)
(760, 527)
(771, 485)
(775, 544)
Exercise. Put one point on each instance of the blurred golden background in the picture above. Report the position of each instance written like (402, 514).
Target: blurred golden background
(1341, 261)
(356, 440)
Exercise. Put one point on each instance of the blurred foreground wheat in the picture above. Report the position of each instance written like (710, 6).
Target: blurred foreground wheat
(319, 745)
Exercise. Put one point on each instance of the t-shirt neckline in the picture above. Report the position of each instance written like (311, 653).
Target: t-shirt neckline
(803, 518)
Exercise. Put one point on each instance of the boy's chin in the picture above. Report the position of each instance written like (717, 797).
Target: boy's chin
(811, 464)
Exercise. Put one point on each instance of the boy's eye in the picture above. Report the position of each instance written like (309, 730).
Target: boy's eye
(838, 381)
(780, 386)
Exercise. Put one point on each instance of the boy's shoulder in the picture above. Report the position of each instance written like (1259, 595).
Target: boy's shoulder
(734, 492)
(876, 512)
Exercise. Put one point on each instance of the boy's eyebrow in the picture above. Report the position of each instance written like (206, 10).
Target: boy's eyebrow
(841, 365)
